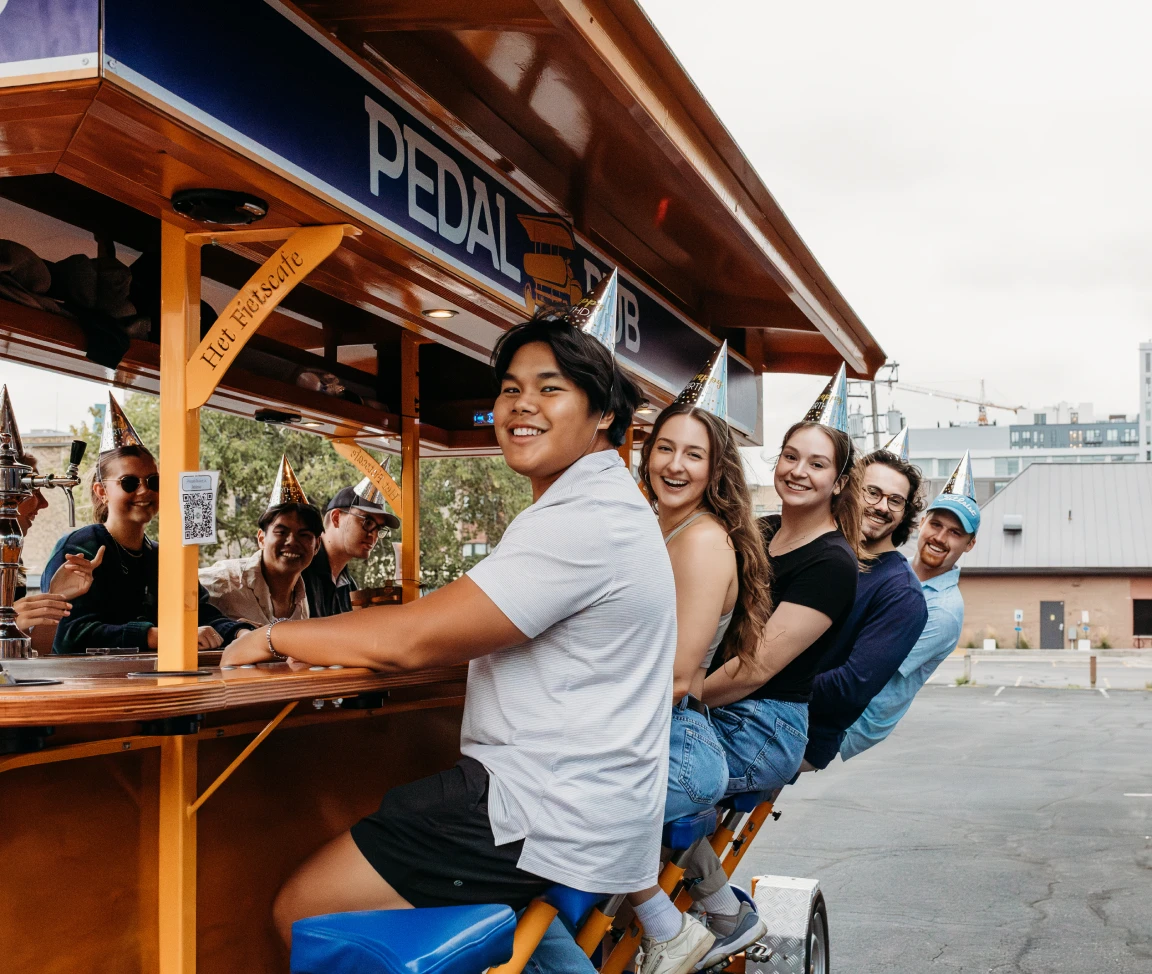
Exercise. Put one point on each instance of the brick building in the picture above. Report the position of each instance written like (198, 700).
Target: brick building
(1059, 540)
(50, 447)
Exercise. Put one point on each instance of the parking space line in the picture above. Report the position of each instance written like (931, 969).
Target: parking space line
(1107, 683)
(1138, 794)
(1019, 678)
(1103, 691)
(998, 692)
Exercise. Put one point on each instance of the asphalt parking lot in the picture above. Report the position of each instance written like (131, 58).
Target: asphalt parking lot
(990, 833)
(1036, 668)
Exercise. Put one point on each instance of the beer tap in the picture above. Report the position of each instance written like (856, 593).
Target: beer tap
(17, 482)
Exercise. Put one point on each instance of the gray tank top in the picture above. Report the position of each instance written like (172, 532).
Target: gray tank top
(725, 619)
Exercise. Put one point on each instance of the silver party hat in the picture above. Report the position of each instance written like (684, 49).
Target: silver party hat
(898, 445)
(8, 423)
(286, 489)
(831, 406)
(961, 482)
(709, 389)
(595, 315)
(118, 431)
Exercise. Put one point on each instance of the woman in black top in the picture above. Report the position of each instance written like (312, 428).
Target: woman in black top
(760, 708)
(119, 610)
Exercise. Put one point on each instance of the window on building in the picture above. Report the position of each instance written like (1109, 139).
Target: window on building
(1148, 361)
(1026, 436)
(1007, 466)
(1113, 435)
(476, 548)
(944, 468)
(1093, 437)
(1015, 437)
(1075, 438)
(1130, 435)
(1073, 416)
(1039, 419)
(1142, 617)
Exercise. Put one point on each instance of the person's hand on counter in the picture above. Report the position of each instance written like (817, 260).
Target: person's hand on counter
(74, 577)
(208, 638)
(153, 638)
(250, 646)
(41, 609)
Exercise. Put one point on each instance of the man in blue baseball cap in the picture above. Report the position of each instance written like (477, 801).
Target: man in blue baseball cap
(947, 531)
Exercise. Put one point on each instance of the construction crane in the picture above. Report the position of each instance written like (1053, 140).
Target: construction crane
(984, 404)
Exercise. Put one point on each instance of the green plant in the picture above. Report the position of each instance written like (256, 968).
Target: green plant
(971, 644)
(1024, 642)
(1148, 685)
(1105, 642)
(962, 680)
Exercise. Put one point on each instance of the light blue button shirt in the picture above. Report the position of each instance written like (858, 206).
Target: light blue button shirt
(936, 642)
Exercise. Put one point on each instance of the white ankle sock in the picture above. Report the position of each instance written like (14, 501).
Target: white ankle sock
(720, 906)
(659, 917)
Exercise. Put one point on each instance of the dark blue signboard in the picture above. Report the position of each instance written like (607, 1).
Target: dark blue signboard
(258, 77)
(48, 37)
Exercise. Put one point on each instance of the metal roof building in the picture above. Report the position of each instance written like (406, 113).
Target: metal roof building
(1061, 518)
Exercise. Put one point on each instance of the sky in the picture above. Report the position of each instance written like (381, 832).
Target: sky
(975, 179)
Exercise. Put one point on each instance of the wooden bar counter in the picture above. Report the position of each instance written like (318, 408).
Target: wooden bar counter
(79, 803)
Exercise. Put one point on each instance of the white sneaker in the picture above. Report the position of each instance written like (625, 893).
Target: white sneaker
(680, 954)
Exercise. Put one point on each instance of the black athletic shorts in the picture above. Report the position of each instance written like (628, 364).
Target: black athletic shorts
(433, 844)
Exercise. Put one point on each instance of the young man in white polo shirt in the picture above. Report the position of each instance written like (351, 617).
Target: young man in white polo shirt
(570, 627)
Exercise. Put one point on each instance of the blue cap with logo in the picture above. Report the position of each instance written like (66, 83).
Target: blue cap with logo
(959, 496)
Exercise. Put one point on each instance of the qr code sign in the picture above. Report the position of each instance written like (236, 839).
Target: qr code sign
(198, 506)
(199, 515)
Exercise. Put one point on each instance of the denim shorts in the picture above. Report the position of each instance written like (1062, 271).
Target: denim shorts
(697, 770)
(763, 742)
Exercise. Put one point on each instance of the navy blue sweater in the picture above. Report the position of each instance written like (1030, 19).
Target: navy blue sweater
(886, 620)
(120, 607)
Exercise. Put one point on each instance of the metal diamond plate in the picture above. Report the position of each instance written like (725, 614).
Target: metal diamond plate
(785, 903)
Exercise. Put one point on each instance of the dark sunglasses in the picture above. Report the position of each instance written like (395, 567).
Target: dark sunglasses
(131, 483)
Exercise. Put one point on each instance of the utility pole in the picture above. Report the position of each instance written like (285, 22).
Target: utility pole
(875, 419)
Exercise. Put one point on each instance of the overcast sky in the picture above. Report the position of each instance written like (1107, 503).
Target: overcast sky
(976, 179)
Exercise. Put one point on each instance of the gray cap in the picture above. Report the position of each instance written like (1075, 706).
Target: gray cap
(348, 497)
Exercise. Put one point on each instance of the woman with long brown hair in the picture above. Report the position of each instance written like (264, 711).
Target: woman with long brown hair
(694, 478)
(759, 699)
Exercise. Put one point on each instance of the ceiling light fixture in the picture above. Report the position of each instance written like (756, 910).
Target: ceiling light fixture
(439, 313)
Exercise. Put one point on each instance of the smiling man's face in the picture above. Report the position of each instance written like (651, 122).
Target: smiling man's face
(942, 541)
(542, 418)
(883, 488)
(288, 545)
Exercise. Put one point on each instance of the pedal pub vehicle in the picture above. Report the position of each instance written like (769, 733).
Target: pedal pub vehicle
(365, 190)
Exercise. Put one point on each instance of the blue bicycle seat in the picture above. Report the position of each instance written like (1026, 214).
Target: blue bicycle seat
(746, 801)
(572, 904)
(439, 940)
(680, 833)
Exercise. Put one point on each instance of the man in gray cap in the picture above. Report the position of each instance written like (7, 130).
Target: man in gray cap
(353, 520)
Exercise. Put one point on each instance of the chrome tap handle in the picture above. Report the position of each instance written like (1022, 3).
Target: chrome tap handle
(74, 457)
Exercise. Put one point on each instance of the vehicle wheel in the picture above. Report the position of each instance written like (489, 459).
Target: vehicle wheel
(816, 958)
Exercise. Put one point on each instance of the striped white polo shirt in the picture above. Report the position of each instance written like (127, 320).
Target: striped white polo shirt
(572, 725)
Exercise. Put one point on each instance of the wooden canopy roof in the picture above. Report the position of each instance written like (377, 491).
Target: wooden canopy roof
(584, 99)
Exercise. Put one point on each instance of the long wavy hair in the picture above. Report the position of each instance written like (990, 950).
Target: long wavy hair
(847, 502)
(727, 497)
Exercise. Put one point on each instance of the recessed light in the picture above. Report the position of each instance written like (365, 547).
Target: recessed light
(646, 409)
(312, 423)
(439, 313)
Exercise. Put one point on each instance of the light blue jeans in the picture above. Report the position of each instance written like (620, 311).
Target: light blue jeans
(697, 769)
(763, 742)
(558, 954)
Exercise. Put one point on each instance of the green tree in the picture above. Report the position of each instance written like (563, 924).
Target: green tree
(461, 499)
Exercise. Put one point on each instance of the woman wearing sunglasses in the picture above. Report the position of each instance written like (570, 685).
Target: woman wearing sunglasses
(119, 609)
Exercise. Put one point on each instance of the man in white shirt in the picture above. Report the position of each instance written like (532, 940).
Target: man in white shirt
(570, 627)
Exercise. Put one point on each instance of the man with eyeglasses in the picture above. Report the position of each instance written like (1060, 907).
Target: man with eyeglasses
(887, 617)
(353, 522)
